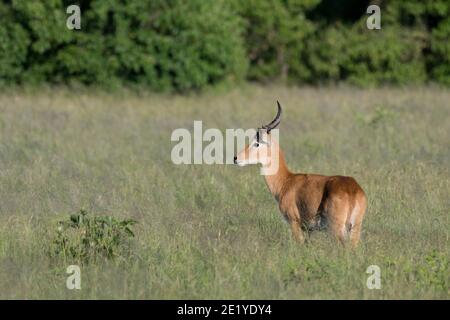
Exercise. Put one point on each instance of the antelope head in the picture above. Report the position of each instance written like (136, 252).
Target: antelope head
(263, 147)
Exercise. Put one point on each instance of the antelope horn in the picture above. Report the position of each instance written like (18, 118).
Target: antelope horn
(275, 122)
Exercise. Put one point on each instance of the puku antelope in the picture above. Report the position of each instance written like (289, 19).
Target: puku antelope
(307, 201)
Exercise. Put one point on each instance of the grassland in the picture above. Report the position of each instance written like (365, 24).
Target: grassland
(214, 231)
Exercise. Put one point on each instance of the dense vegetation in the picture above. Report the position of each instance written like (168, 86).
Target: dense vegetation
(184, 45)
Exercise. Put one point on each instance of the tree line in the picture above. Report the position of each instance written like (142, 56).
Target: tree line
(183, 45)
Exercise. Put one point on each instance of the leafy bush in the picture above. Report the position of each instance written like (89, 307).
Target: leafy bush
(429, 22)
(368, 62)
(359, 56)
(274, 36)
(165, 45)
(87, 238)
(44, 23)
(197, 43)
(14, 42)
(431, 272)
(440, 52)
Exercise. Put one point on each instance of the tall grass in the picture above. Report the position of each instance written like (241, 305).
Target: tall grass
(214, 231)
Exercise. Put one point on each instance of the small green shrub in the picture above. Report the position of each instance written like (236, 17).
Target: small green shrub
(381, 115)
(314, 269)
(433, 271)
(86, 238)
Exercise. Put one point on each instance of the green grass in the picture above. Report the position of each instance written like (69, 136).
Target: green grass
(214, 231)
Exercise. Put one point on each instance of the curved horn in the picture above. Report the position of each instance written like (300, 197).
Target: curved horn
(275, 122)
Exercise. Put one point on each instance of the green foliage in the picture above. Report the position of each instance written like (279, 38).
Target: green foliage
(440, 51)
(310, 270)
(165, 45)
(14, 41)
(347, 50)
(45, 25)
(181, 45)
(87, 238)
(429, 25)
(274, 36)
(433, 271)
(430, 271)
(197, 43)
(402, 63)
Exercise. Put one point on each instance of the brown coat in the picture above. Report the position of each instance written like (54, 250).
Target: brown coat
(314, 201)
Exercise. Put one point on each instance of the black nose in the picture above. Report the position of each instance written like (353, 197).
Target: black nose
(235, 158)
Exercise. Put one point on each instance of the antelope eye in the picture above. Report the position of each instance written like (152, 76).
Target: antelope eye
(257, 144)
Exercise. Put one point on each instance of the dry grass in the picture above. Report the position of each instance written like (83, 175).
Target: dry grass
(214, 231)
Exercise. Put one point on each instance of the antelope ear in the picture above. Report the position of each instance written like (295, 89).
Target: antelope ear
(261, 138)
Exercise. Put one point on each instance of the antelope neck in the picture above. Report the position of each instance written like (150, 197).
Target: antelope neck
(276, 181)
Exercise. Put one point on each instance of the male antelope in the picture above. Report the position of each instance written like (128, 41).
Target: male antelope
(307, 201)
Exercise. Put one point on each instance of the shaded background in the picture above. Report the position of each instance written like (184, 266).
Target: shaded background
(174, 45)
